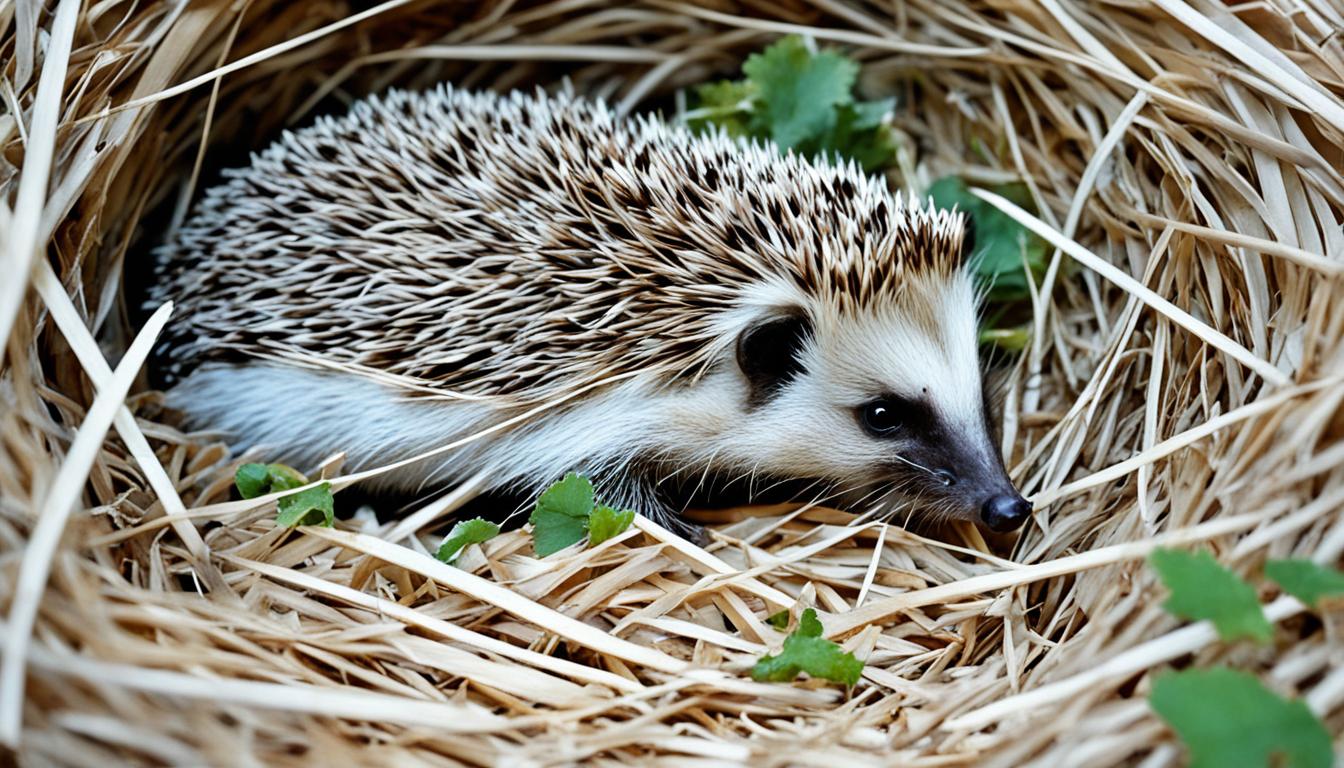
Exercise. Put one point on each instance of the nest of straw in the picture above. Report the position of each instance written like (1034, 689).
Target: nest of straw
(1183, 386)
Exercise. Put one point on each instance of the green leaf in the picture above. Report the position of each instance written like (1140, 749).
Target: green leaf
(867, 115)
(807, 651)
(799, 89)
(809, 625)
(802, 101)
(1009, 339)
(1228, 719)
(255, 480)
(284, 478)
(252, 480)
(312, 506)
(465, 532)
(561, 515)
(859, 134)
(606, 522)
(1305, 580)
(1000, 242)
(779, 620)
(728, 104)
(1203, 589)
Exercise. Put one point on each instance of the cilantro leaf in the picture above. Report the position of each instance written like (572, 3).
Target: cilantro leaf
(727, 104)
(1305, 580)
(799, 89)
(1228, 719)
(568, 511)
(859, 134)
(312, 506)
(561, 515)
(1203, 589)
(1000, 241)
(1009, 339)
(283, 477)
(779, 620)
(809, 625)
(866, 115)
(807, 651)
(253, 480)
(801, 101)
(465, 532)
(606, 522)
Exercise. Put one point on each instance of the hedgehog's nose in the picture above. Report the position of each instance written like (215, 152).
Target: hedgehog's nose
(1005, 512)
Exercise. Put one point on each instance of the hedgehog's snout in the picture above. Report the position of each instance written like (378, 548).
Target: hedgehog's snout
(1005, 512)
(995, 500)
(1001, 509)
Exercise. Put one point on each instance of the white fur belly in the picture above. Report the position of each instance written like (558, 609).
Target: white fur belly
(301, 416)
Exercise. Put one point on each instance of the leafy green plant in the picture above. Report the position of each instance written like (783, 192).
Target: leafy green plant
(1007, 260)
(1306, 580)
(605, 522)
(465, 532)
(253, 480)
(1227, 717)
(805, 650)
(1012, 339)
(560, 517)
(312, 506)
(568, 511)
(801, 100)
(1203, 589)
(1008, 257)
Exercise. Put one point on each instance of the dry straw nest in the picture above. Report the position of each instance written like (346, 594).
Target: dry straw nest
(1184, 385)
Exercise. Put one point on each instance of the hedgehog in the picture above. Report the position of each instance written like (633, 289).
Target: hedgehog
(545, 286)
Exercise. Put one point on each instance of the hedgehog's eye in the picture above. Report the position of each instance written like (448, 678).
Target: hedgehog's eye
(881, 418)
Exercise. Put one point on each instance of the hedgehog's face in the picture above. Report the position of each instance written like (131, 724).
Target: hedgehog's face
(886, 402)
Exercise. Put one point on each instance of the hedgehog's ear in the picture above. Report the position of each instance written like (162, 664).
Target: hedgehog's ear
(770, 353)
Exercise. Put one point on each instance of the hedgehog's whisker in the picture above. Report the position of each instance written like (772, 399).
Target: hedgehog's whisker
(904, 460)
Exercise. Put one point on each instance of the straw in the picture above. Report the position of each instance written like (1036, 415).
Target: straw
(1182, 388)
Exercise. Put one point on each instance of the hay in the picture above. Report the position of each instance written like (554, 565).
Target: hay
(1184, 385)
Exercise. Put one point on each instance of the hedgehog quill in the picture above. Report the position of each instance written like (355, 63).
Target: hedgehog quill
(434, 264)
